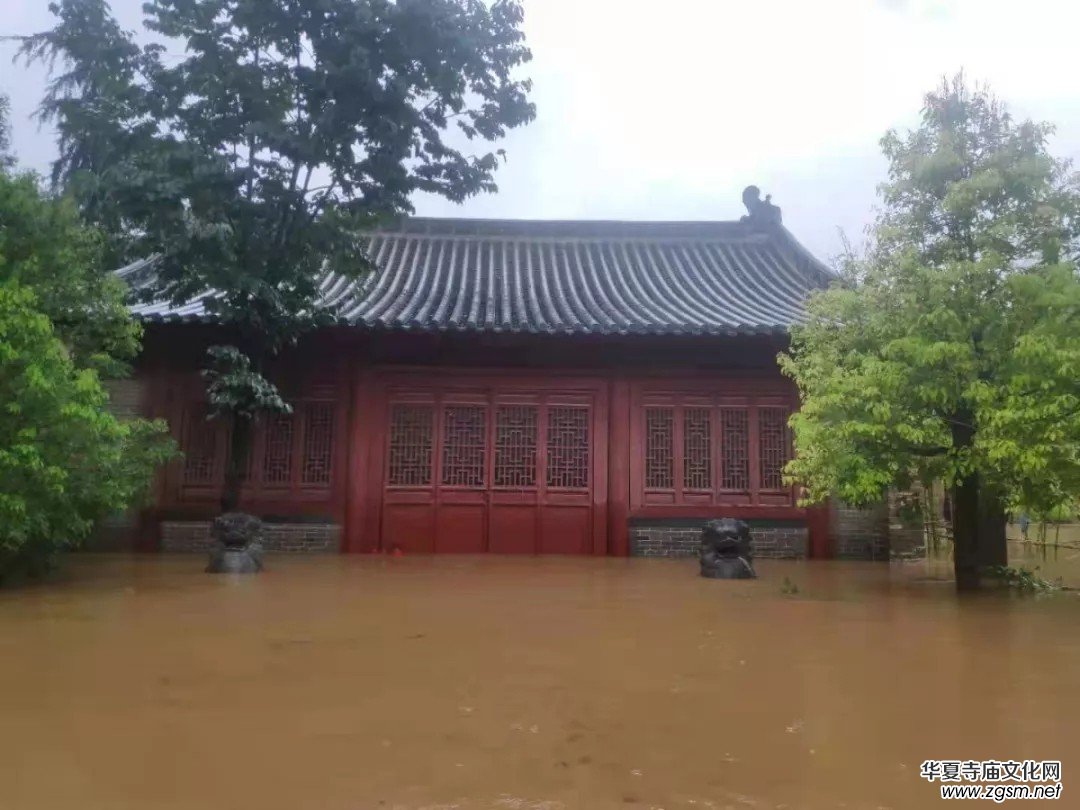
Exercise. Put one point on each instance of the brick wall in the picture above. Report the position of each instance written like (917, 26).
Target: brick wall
(288, 537)
(681, 539)
(859, 533)
(874, 533)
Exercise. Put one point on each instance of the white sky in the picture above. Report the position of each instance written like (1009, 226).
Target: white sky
(667, 109)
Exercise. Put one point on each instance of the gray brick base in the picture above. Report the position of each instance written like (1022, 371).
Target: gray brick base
(860, 533)
(680, 540)
(290, 537)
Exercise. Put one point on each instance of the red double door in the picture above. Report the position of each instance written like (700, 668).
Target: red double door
(494, 465)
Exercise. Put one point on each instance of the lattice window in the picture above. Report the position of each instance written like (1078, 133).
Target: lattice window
(464, 443)
(568, 447)
(410, 445)
(659, 448)
(318, 442)
(735, 448)
(200, 448)
(697, 449)
(515, 446)
(277, 457)
(773, 443)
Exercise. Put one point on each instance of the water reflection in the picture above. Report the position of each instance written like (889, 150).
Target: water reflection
(356, 682)
(1054, 562)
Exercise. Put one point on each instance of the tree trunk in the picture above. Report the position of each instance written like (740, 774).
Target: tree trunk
(965, 512)
(993, 549)
(236, 466)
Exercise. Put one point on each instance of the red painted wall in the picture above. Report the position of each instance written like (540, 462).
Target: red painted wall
(362, 374)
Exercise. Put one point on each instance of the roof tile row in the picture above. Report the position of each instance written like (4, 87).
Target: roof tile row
(569, 277)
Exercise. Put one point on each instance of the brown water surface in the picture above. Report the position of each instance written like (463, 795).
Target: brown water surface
(347, 683)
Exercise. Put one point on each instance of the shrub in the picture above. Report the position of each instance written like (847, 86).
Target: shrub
(65, 461)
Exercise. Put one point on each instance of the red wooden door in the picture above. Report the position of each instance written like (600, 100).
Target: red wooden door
(513, 467)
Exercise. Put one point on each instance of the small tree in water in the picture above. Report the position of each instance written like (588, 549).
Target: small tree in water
(951, 349)
(251, 157)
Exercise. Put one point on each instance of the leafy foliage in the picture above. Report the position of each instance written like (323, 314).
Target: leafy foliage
(951, 349)
(232, 386)
(1023, 579)
(44, 246)
(64, 460)
(889, 372)
(251, 164)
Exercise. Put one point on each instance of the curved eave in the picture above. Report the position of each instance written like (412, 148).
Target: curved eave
(465, 329)
(656, 331)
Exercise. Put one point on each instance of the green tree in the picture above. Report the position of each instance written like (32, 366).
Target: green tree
(952, 348)
(65, 461)
(45, 246)
(251, 164)
(6, 158)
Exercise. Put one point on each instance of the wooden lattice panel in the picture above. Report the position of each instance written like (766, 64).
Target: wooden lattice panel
(411, 430)
(773, 442)
(568, 447)
(515, 446)
(200, 448)
(697, 449)
(318, 443)
(277, 457)
(735, 448)
(659, 448)
(464, 443)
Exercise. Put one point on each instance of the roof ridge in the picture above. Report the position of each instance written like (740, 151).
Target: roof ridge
(562, 220)
(563, 228)
(754, 236)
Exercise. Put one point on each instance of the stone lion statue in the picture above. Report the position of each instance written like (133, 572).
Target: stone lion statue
(238, 544)
(725, 550)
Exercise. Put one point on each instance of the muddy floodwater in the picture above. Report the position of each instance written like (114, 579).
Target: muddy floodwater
(348, 683)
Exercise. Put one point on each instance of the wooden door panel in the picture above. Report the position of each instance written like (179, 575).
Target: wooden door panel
(460, 528)
(565, 530)
(513, 529)
(409, 527)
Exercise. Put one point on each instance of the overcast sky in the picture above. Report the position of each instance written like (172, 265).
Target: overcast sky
(667, 109)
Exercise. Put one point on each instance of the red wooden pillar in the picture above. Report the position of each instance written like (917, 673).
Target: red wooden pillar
(375, 427)
(619, 469)
(601, 485)
(358, 535)
(817, 524)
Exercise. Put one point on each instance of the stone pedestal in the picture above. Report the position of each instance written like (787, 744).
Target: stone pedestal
(237, 545)
(725, 550)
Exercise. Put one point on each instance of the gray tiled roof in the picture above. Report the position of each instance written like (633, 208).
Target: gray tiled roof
(568, 277)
